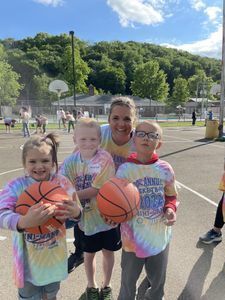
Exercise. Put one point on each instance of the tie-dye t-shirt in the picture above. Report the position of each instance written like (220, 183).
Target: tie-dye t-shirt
(38, 258)
(146, 234)
(84, 174)
(119, 153)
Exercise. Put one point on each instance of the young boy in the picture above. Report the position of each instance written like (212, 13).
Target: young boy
(146, 237)
(88, 168)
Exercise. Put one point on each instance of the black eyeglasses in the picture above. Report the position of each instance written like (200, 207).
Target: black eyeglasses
(150, 135)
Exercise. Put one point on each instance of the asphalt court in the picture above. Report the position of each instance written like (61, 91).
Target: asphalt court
(195, 271)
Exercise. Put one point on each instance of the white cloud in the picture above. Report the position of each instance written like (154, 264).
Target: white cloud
(197, 4)
(53, 3)
(136, 11)
(213, 12)
(211, 46)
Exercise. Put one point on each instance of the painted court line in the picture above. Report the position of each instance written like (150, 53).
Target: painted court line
(196, 193)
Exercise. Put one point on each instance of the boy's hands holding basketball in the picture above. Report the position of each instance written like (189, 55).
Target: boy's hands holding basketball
(170, 217)
(36, 215)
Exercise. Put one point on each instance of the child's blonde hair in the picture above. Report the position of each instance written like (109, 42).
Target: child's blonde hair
(88, 123)
(124, 101)
(152, 123)
(51, 140)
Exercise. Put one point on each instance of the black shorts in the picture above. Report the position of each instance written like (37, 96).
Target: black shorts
(109, 240)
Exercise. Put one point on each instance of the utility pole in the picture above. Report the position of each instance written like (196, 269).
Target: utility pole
(222, 95)
(73, 63)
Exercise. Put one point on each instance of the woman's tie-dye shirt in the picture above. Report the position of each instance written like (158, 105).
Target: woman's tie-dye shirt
(93, 173)
(38, 258)
(146, 234)
(119, 153)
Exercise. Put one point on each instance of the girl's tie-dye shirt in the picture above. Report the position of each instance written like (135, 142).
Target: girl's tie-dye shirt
(146, 234)
(38, 258)
(119, 153)
(93, 173)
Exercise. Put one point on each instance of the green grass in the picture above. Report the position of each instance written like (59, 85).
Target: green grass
(54, 126)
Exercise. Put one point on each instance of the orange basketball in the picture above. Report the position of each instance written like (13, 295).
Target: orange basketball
(118, 200)
(47, 192)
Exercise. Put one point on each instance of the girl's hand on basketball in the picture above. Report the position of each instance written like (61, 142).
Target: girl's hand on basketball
(170, 217)
(37, 215)
(108, 221)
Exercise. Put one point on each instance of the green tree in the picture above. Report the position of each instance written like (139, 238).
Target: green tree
(112, 80)
(180, 93)
(150, 82)
(40, 92)
(26, 67)
(9, 85)
(81, 70)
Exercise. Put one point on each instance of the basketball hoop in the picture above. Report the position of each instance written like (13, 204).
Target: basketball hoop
(59, 87)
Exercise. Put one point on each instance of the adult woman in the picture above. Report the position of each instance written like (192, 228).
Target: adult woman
(116, 138)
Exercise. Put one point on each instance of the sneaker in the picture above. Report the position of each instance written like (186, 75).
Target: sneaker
(211, 236)
(74, 261)
(106, 293)
(92, 293)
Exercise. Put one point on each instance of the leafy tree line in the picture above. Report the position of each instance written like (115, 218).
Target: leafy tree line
(28, 66)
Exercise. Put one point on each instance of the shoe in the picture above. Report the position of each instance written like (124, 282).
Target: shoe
(92, 293)
(74, 261)
(106, 293)
(211, 236)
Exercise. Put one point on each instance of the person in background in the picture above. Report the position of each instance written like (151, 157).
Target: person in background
(117, 139)
(215, 233)
(146, 237)
(9, 122)
(210, 115)
(70, 119)
(44, 122)
(38, 124)
(193, 117)
(25, 117)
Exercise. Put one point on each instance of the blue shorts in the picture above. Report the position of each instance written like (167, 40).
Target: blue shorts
(109, 240)
(33, 292)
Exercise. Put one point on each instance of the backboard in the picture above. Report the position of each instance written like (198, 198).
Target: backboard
(58, 86)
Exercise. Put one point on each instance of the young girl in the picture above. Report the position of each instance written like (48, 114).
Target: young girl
(40, 260)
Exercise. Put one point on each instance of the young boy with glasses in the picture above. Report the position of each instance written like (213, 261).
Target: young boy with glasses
(146, 237)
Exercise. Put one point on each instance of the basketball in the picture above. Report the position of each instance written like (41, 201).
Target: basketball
(47, 192)
(118, 200)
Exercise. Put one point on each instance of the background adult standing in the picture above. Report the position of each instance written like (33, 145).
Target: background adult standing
(25, 117)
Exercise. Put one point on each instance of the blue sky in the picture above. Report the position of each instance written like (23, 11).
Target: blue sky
(191, 25)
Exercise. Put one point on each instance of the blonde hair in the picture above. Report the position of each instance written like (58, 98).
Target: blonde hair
(124, 101)
(36, 142)
(152, 123)
(88, 123)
